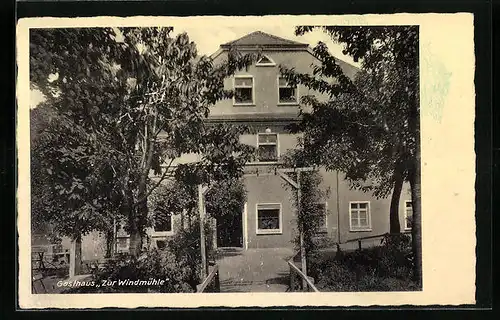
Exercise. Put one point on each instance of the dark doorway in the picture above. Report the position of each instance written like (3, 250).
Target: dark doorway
(230, 231)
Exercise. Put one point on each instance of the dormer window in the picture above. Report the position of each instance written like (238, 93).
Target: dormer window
(287, 94)
(243, 90)
(265, 61)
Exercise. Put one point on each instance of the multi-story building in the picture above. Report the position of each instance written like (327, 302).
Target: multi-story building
(266, 104)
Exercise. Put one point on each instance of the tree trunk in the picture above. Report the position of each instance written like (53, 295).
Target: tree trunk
(394, 226)
(135, 240)
(416, 221)
(110, 241)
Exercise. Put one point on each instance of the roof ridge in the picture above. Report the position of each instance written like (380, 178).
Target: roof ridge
(279, 38)
(259, 32)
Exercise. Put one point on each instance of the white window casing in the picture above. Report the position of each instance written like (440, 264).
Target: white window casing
(283, 87)
(246, 82)
(265, 61)
(263, 140)
(408, 214)
(274, 218)
(360, 216)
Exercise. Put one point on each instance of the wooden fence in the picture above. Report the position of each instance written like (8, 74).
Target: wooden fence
(298, 280)
(211, 282)
(381, 236)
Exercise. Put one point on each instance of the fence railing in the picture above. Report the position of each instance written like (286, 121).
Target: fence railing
(298, 280)
(381, 236)
(211, 282)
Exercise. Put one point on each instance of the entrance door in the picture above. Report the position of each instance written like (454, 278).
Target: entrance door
(230, 231)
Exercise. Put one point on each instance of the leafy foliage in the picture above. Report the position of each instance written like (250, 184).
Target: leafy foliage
(364, 128)
(126, 103)
(369, 127)
(309, 214)
(226, 198)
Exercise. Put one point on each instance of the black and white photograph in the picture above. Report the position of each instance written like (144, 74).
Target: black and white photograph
(231, 158)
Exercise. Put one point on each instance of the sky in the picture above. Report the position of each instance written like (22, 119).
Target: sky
(209, 38)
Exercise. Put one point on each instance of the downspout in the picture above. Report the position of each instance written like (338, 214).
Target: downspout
(338, 209)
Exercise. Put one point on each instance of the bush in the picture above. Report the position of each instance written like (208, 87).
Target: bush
(336, 277)
(152, 265)
(384, 268)
(178, 263)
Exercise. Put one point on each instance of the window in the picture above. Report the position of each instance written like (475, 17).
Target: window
(359, 216)
(320, 212)
(269, 218)
(408, 214)
(287, 94)
(267, 147)
(243, 90)
(162, 223)
(122, 244)
(265, 61)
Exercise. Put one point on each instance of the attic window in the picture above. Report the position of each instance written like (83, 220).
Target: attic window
(265, 61)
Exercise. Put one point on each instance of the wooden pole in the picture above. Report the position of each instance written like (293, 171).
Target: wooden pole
(201, 210)
(75, 257)
(115, 244)
(302, 245)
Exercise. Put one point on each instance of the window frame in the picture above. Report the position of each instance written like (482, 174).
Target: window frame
(155, 233)
(296, 103)
(406, 214)
(270, 206)
(368, 217)
(253, 90)
(268, 144)
(268, 64)
(121, 249)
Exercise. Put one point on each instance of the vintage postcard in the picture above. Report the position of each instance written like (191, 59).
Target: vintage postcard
(245, 161)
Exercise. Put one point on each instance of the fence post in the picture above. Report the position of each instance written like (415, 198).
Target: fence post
(201, 212)
(359, 245)
(217, 280)
(292, 279)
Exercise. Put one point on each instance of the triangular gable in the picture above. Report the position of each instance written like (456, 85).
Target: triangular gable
(265, 61)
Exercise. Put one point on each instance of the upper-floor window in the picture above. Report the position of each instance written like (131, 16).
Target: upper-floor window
(287, 94)
(408, 214)
(359, 216)
(267, 147)
(265, 61)
(243, 90)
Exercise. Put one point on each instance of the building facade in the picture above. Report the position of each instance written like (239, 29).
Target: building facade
(266, 104)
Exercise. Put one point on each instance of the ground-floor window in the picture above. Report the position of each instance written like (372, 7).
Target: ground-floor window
(122, 244)
(408, 214)
(359, 216)
(163, 224)
(269, 218)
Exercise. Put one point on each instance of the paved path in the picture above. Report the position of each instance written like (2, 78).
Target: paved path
(254, 270)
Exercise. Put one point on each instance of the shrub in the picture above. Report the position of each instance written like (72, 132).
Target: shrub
(178, 263)
(336, 277)
(384, 268)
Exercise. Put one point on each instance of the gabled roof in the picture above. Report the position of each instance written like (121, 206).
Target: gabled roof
(259, 38)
